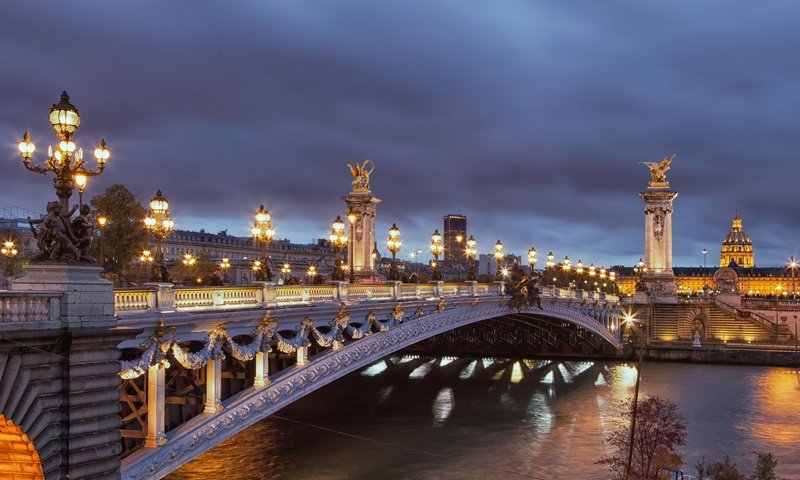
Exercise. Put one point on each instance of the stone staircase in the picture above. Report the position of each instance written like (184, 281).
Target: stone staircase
(721, 322)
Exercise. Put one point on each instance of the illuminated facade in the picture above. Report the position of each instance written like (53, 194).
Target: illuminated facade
(737, 247)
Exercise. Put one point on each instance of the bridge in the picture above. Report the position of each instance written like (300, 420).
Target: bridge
(199, 365)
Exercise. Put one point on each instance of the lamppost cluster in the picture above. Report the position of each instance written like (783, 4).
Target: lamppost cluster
(57, 238)
(338, 240)
(263, 234)
(160, 224)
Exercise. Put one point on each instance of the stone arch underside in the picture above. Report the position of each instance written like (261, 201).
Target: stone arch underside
(29, 401)
(248, 407)
(18, 456)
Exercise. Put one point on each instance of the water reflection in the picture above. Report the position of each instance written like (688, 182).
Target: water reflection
(412, 416)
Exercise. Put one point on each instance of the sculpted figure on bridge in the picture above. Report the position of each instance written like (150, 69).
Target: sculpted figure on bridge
(361, 175)
(658, 170)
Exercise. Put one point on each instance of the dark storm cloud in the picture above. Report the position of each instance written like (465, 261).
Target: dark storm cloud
(528, 117)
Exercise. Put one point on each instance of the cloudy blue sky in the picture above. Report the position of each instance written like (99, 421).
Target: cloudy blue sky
(528, 116)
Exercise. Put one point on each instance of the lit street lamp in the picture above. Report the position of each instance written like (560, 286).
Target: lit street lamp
(499, 256)
(159, 223)
(66, 160)
(436, 249)
(793, 266)
(704, 260)
(532, 259)
(9, 250)
(263, 233)
(551, 260)
(639, 270)
(339, 241)
(393, 244)
(471, 251)
(352, 216)
(286, 269)
(311, 273)
(189, 260)
(102, 221)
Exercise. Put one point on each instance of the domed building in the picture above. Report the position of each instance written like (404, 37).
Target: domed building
(737, 247)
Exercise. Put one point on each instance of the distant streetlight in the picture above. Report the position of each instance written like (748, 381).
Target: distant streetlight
(189, 260)
(551, 260)
(532, 258)
(436, 249)
(286, 269)
(471, 251)
(159, 223)
(102, 221)
(499, 256)
(793, 266)
(704, 260)
(393, 244)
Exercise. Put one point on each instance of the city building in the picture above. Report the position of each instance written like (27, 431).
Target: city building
(455, 234)
(737, 247)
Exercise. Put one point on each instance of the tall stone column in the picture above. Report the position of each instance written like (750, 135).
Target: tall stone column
(659, 279)
(363, 204)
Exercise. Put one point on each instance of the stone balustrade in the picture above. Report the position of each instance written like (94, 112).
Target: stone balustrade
(165, 297)
(21, 310)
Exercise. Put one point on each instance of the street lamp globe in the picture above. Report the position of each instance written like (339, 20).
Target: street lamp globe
(64, 117)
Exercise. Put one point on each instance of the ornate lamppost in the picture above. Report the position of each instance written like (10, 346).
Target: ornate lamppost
(159, 223)
(393, 245)
(436, 249)
(224, 265)
(499, 255)
(311, 273)
(352, 216)
(532, 260)
(471, 252)
(80, 179)
(793, 267)
(263, 233)
(66, 160)
(339, 241)
(9, 250)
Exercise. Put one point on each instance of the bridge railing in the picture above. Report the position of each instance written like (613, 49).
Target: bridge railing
(166, 297)
(17, 309)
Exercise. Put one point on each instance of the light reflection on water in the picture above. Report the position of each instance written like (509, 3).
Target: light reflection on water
(475, 418)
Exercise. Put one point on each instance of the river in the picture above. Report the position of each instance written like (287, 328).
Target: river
(424, 417)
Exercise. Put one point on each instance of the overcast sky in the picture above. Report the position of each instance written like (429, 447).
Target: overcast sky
(529, 116)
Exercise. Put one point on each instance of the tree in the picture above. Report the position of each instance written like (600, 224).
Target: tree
(124, 236)
(765, 467)
(659, 431)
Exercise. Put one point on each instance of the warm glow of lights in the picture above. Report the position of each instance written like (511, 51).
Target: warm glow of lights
(225, 263)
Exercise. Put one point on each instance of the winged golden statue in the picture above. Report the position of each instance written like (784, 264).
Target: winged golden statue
(658, 170)
(361, 174)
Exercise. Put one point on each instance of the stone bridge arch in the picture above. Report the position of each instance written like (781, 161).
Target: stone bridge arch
(254, 404)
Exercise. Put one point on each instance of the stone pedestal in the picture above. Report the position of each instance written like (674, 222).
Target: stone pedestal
(659, 277)
(87, 300)
(362, 234)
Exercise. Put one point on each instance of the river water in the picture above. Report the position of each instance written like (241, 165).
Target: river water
(424, 417)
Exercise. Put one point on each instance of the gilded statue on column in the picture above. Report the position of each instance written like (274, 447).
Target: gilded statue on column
(361, 173)
(658, 171)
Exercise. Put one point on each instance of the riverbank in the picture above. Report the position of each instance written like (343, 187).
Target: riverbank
(725, 354)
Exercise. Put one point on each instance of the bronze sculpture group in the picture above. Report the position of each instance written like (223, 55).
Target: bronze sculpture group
(62, 239)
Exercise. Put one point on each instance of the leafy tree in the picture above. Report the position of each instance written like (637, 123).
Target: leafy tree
(659, 431)
(765, 467)
(124, 235)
